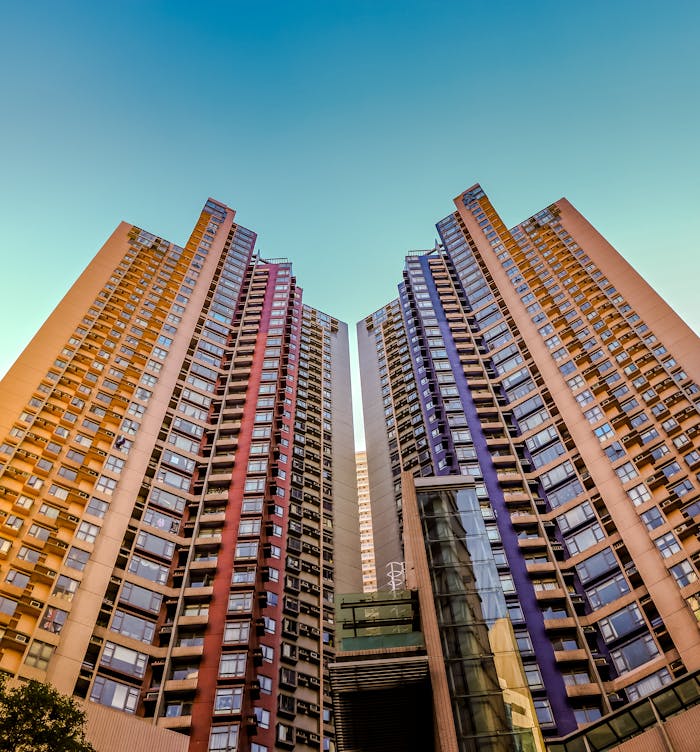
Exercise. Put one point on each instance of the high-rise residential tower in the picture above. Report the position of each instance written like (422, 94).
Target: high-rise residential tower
(539, 363)
(178, 492)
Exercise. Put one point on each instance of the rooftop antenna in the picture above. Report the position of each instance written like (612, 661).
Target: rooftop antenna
(396, 575)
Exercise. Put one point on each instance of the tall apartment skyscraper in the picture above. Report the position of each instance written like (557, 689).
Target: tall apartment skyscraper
(178, 489)
(538, 362)
(177, 492)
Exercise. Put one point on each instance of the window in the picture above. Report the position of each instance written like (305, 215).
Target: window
(148, 569)
(594, 414)
(557, 475)
(243, 576)
(66, 587)
(249, 527)
(223, 738)
(658, 452)
(596, 565)
(667, 545)
(285, 734)
(626, 472)
(141, 597)
(48, 511)
(584, 539)
(692, 458)
(576, 676)
(621, 623)
(105, 485)
(671, 469)
(132, 626)
(587, 715)
(682, 488)
(648, 684)
(564, 493)
(232, 665)
(615, 452)
(14, 522)
(533, 676)
(263, 717)
(28, 554)
(87, 532)
(114, 464)
(576, 516)
(67, 473)
(604, 432)
(196, 609)
(683, 573)
(236, 632)
(247, 550)
(607, 591)
(58, 491)
(77, 558)
(53, 619)
(523, 641)
(634, 654)
(240, 602)
(75, 456)
(39, 655)
(124, 659)
(228, 700)
(543, 711)
(649, 435)
(7, 606)
(39, 532)
(652, 518)
(565, 643)
(24, 502)
(97, 507)
(155, 545)
(638, 494)
(114, 694)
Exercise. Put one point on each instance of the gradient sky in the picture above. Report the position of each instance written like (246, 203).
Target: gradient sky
(340, 132)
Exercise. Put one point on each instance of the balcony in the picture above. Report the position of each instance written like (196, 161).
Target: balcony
(182, 685)
(187, 651)
(582, 690)
(555, 594)
(526, 544)
(571, 656)
(507, 478)
(175, 722)
(556, 625)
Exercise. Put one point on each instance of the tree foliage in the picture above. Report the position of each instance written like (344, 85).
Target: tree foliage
(35, 717)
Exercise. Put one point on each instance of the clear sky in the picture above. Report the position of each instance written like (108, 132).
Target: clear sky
(340, 131)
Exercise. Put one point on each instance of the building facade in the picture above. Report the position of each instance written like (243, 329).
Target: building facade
(538, 362)
(178, 494)
(369, 573)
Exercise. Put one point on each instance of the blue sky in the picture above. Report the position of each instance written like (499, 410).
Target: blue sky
(340, 131)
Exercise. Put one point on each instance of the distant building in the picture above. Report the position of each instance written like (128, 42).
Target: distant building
(369, 573)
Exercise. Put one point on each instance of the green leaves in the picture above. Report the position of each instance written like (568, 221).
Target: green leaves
(35, 717)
